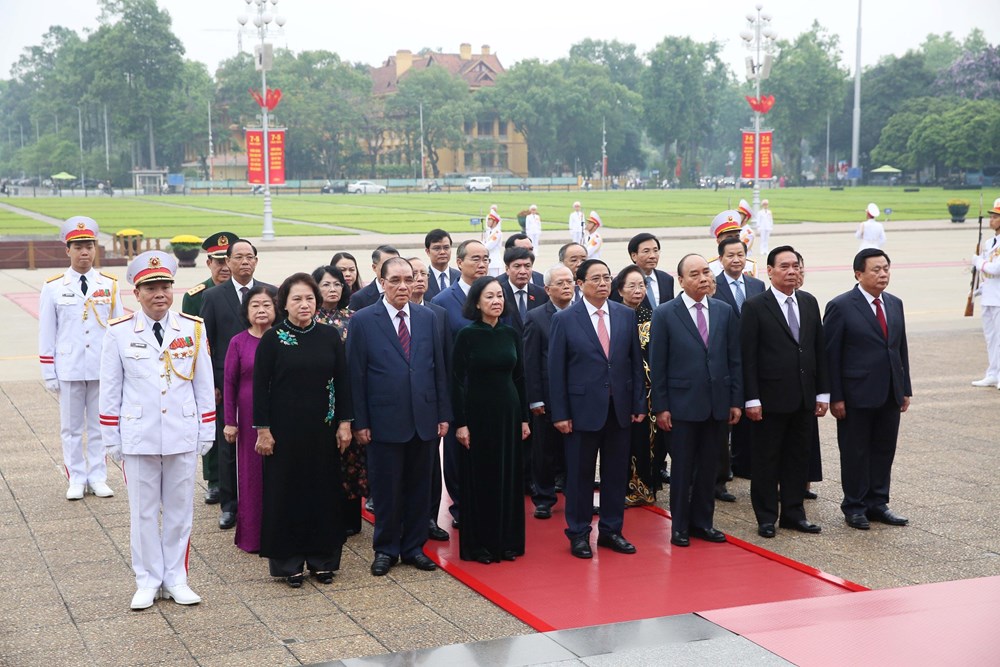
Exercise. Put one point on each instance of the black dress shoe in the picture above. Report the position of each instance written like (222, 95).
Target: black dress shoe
(858, 521)
(724, 496)
(809, 495)
(679, 538)
(560, 483)
(543, 512)
(887, 516)
(801, 525)
(580, 547)
(455, 524)
(369, 505)
(421, 562)
(708, 534)
(615, 542)
(509, 555)
(295, 580)
(212, 495)
(485, 559)
(325, 577)
(382, 564)
(227, 520)
(665, 476)
(766, 530)
(436, 532)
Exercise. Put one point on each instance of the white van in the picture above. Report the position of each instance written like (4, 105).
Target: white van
(479, 184)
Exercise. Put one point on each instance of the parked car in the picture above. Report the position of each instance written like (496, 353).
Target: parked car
(334, 187)
(479, 184)
(365, 187)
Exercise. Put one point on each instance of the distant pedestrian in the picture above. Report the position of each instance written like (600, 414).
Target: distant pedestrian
(765, 224)
(533, 226)
(871, 232)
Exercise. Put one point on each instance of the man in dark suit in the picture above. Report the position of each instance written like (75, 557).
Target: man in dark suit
(644, 249)
(596, 385)
(548, 458)
(441, 276)
(869, 387)
(696, 390)
(734, 287)
(785, 383)
(520, 240)
(398, 371)
(220, 309)
(571, 256)
(372, 292)
(519, 293)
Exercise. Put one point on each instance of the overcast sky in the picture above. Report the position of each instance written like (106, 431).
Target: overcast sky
(515, 29)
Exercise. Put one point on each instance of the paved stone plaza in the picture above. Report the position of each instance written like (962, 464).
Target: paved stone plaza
(65, 579)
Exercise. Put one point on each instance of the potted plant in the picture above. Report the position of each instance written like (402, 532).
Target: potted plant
(185, 248)
(958, 208)
(130, 241)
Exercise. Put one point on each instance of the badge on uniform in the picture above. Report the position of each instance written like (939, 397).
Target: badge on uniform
(142, 345)
(179, 347)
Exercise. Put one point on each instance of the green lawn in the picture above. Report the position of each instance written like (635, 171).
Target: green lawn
(163, 217)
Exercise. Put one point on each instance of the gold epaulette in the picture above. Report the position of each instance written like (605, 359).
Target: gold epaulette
(119, 320)
(55, 277)
(196, 289)
(109, 276)
(193, 318)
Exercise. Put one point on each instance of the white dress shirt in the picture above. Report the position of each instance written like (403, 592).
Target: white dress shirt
(692, 311)
(592, 312)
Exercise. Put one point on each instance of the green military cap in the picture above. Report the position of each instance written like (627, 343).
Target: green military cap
(217, 244)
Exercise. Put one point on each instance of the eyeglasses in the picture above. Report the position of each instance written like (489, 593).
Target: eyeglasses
(599, 280)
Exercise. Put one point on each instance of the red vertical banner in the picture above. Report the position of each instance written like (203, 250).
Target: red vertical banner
(255, 157)
(746, 161)
(276, 156)
(765, 155)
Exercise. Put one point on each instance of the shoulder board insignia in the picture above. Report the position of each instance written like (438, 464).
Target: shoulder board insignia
(109, 276)
(55, 277)
(119, 320)
(194, 318)
(196, 289)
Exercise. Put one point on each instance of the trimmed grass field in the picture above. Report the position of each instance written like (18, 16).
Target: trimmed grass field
(318, 215)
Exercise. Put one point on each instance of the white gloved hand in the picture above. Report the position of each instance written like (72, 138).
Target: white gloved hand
(204, 446)
(115, 452)
(52, 385)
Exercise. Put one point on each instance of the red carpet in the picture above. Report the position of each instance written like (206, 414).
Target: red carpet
(549, 589)
(949, 623)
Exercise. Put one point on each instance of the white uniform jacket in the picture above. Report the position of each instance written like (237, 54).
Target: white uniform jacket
(71, 325)
(493, 240)
(155, 399)
(988, 265)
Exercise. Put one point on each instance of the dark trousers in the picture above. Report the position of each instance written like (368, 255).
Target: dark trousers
(741, 448)
(781, 443)
(867, 440)
(582, 448)
(210, 461)
(694, 458)
(226, 465)
(400, 478)
(436, 485)
(286, 567)
(547, 443)
(724, 459)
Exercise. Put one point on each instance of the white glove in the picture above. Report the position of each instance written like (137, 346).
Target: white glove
(115, 452)
(204, 446)
(52, 385)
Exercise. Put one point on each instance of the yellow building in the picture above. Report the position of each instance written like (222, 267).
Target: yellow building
(506, 150)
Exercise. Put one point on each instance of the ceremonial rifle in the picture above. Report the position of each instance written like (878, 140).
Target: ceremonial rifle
(970, 305)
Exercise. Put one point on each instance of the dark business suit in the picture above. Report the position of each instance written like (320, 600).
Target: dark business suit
(537, 279)
(738, 441)
(220, 308)
(697, 384)
(444, 334)
(599, 394)
(433, 288)
(548, 457)
(453, 300)
(871, 374)
(665, 292)
(401, 400)
(365, 296)
(536, 297)
(785, 376)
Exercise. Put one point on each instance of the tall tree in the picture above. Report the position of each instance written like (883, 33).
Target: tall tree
(974, 76)
(624, 66)
(532, 94)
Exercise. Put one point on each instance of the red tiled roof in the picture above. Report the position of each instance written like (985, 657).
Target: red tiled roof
(480, 70)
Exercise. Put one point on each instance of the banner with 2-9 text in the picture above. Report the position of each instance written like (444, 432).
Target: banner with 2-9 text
(275, 155)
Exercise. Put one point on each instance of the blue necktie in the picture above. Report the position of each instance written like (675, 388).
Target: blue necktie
(443, 286)
(650, 292)
(738, 296)
(522, 308)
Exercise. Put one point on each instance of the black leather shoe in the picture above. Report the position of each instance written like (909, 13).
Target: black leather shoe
(809, 495)
(212, 495)
(615, 542)
(708, 534)
(295, 580)
(560, 484)
(485, 559)
(421, 562)
(382, 564)
(665, 476)
(543, 512)
(455, 524)
(679, 538)
(436, 532)
(580, 548)
(325, 577)
(858, 521)
(369, 505)
(509, 555)
(725, 496)
(227, 520)
(801, 525)
(766, 530)
(887, 516)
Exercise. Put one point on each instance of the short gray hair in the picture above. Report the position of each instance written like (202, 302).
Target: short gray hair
(547, 278)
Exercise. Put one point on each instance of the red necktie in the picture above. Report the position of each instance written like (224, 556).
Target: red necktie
(404, 334)
(880, 316)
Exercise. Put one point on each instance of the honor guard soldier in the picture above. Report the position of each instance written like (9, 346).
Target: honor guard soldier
(746, 230)
(74, 309)
(157, 414)
(593, 240)
(493, 240)
(215, 247)
(987, 262)
(727, 225)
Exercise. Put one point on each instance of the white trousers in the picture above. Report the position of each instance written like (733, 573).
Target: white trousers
(576, 236)
(160, 484)
(535, 238)
(78, 408)
(991, 330)
(763, 236)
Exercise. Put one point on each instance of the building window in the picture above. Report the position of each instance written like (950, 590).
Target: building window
(467, 161)
(486, 128)
(486, 160)
(503, 161)
(503, 129)
(468, 128)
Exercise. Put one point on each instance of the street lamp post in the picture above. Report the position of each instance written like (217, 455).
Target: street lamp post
(261, 21)
(759, 37)
(83, 180)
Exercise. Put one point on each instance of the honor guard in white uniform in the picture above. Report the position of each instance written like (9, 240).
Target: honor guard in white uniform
(765, 225)
(747, 234)
(493, 240)
(987, 262)
(593, 241)
(725, 225)
(74, 309)
(157, 415)
(533, 227)
(871, 232)
(576, 219)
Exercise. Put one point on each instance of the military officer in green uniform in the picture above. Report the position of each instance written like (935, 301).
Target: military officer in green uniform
(215, 247)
